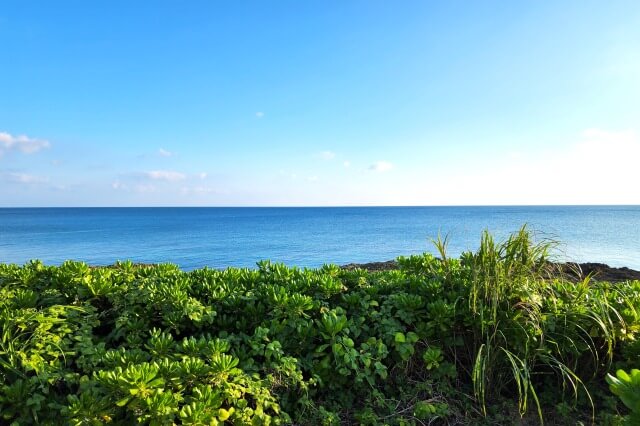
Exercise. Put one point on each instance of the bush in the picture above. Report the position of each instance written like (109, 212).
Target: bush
(437, 341)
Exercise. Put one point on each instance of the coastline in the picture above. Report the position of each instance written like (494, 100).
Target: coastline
(571, 270)
(392, 320)
(221, 237)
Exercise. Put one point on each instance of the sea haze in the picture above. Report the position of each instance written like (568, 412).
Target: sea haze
(309, 237)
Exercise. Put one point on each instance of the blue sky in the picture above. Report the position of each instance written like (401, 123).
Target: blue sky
(319, 103)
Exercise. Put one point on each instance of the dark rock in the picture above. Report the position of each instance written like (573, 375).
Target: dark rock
(389, 265)
(598, 272)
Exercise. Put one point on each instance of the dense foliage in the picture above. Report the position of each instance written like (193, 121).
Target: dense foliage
(484, 339)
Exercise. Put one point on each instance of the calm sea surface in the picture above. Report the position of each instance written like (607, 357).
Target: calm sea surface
(221, 237)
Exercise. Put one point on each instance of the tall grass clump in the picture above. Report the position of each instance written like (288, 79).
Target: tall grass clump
(533, 331)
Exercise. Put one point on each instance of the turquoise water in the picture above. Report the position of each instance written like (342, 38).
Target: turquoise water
(221, 237)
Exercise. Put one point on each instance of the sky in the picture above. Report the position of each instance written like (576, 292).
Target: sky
(319, 103)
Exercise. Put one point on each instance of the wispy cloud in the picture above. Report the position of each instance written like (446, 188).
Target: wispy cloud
(197, 190)
(23, 178)
(290, 175)
(118, 185)
(381, 166)
(140, 188)
(165, 175)
(327, 155)
(203, 175)
(313, 178)
(143, 189)
(164, 153)
(606, 136)
(347, 164)
(259, 114)
(21, 143)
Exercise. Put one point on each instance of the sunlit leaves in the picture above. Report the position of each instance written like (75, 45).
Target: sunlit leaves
(426, 343)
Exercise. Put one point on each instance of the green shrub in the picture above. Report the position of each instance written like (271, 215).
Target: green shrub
(438, 341)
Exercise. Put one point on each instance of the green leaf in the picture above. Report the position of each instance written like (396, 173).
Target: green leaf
(124, 401)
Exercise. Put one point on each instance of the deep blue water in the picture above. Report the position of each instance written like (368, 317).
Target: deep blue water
(221, 237)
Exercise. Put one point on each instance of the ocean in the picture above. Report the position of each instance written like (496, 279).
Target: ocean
(307, 237)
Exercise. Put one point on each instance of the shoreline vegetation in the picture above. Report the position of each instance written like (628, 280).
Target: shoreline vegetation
(498, 336)
(570, 270)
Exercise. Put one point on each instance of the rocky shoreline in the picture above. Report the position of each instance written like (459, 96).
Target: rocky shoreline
(571, 270)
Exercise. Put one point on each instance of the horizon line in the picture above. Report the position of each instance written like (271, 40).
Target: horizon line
(318, 206)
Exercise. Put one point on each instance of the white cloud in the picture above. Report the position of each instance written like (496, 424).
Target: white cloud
(347, 164)
(259, 114)
(203, 175)
(313, 178)
(24, 179)
(59, 187)
(197, 190)
(21, 143)
(327, 155)
(287, 174)
(628, 137)
(381, 166)
(143, 189)
(599, 168)
(164, 153)
(166, 175)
